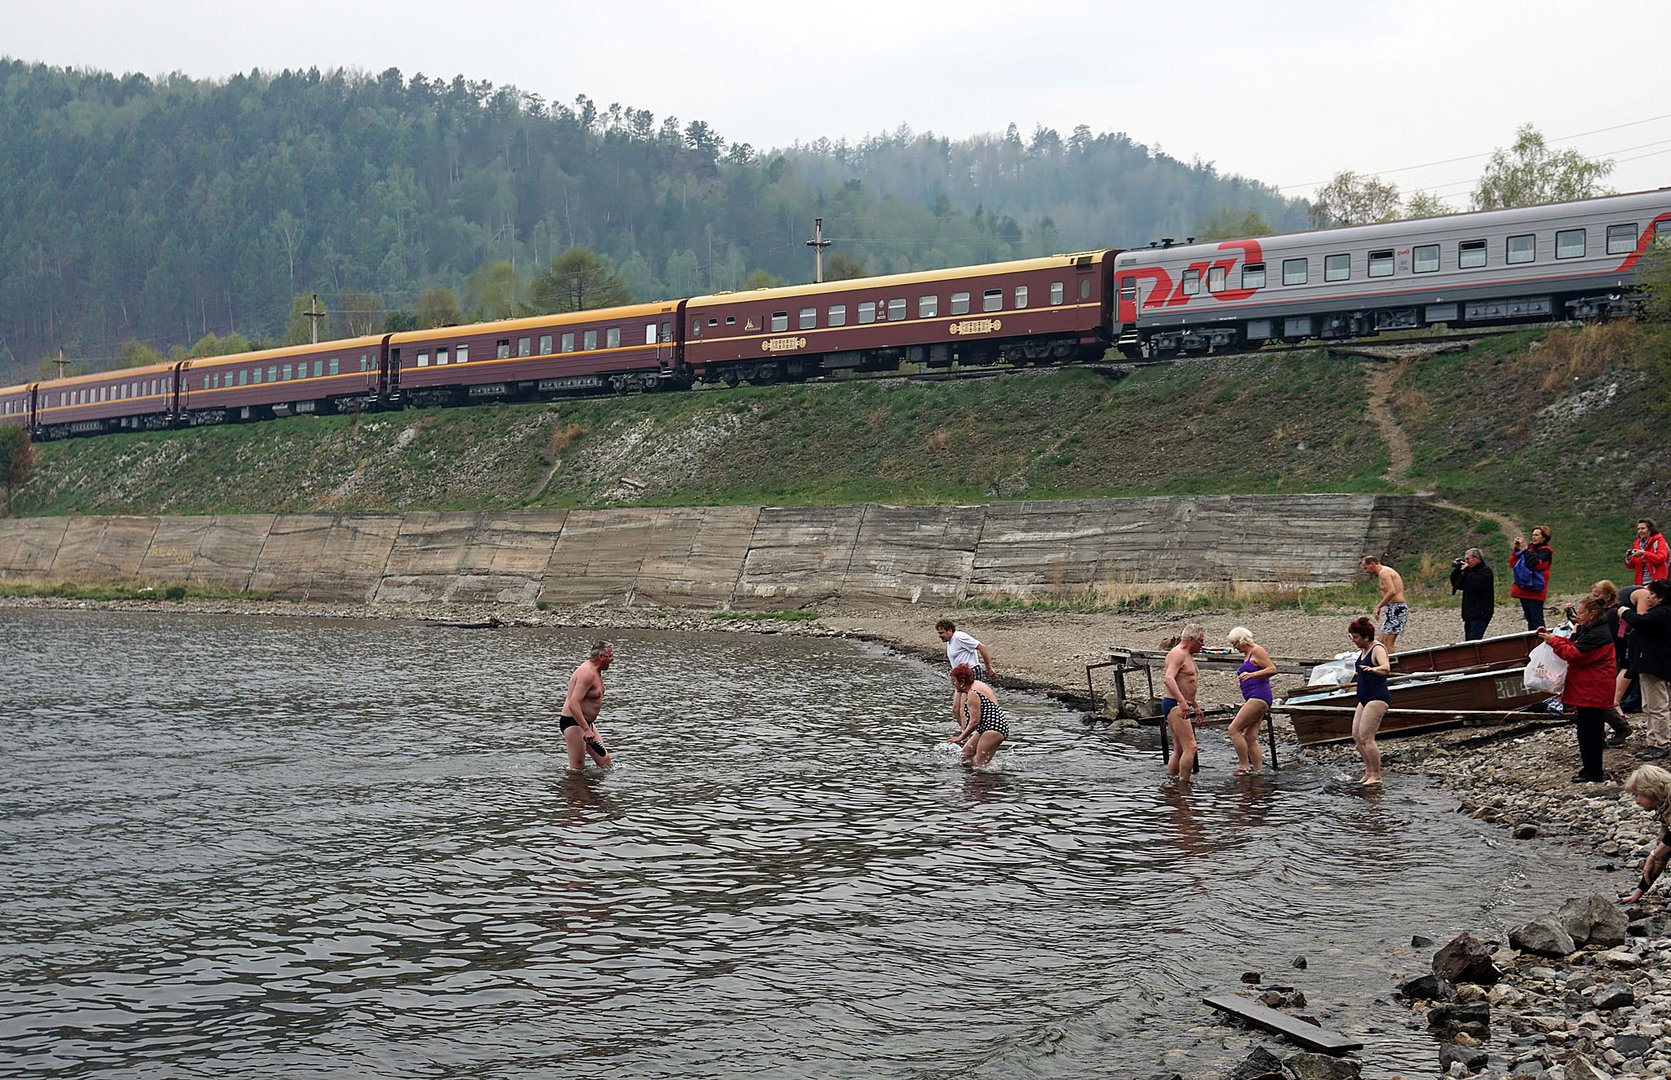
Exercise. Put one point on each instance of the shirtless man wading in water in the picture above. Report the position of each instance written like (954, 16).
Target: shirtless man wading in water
(1179, 703)
(579, 724)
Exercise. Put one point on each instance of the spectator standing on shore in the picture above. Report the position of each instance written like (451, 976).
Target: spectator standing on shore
(1371, 670)
(1651, 787)
(1530, 565)
(1254, 675)
(962, 648)
(1589, 686)
(1471, 577)
(1181, 682)
(1393, 612)
(1608, 593)
(1650, 634)
(1649, 556)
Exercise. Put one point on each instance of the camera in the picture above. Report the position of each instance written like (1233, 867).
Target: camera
(1458, 561)
(1570, 612)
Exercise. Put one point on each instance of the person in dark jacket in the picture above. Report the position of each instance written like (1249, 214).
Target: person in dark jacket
(1471, 577)
(1589, 686)
(1529, 566)
(1649, 620)
(1608, 593)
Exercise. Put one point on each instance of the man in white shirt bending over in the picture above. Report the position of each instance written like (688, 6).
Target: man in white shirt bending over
(962, 648)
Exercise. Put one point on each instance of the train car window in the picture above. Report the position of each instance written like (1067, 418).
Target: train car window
(667, 330)
(838, 314)
(896, 310)
(1335, 268)
(318, 368)
(1621, 239)
(927, 306)
(545, 344)
(649, 333)
(1192, 282)
(867, 312)
(502, 349)
(780, 321)
(1084, 288)
(1470, 254)
(1522, 248)
(288, 373)
(568, 342)
(255, 377)
(711, 322)
(461, 355)
(442, 356)
(1021, 296)
(1569, 244)
(1055, 292)
(731, 320)
(1295, 271)
(524, 346)
(423, 359)
(1215, 279)
(590, 341)
(1253, 276)
(809, 318)
(1381, 263)
(1424, 258)
(960, 303)
(272, 374)
(336, 368)
(243, 377)
(612, 338)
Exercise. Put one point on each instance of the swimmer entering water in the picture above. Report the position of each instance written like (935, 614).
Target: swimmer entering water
(579, 723)
(984, 725)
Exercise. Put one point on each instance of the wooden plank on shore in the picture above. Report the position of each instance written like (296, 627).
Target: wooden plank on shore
(1307, 1035)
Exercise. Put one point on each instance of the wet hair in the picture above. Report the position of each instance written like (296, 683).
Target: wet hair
(1661, 588)
(946, 624)
(600, 647)
(1193, 632)
(1652, 781)
(1605, 591)
(1548, 536)
(1649, 522)
(1361, 627)
(1239, 635)
(963, 676)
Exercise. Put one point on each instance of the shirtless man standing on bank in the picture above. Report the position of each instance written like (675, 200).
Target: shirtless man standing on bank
(579, 724)
(1393, 612)
(1182, 712)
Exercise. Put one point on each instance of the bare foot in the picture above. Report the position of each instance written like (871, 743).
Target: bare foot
(1241, 771)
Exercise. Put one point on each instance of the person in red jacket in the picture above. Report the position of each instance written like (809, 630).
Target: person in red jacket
(1649, 556)
(1529, 569)
(1589, 687)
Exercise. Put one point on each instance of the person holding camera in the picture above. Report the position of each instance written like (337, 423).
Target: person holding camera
(1471, 577)
(1530, 565)
(1649, 556)
(1649, 617)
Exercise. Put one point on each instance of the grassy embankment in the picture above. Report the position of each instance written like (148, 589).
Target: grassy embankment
(1552, 428)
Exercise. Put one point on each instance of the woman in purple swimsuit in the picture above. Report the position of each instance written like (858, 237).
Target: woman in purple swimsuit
(1255, 677)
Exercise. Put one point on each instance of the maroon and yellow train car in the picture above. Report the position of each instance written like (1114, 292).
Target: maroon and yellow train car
(316, 378)
(621, 349)
(127, 399)
(17, 405)
(1029, 311)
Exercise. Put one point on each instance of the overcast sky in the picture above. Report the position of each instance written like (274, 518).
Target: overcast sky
(1289, 93)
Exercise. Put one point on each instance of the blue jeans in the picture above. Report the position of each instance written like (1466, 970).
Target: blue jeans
(1474, 629)
(1534, 612)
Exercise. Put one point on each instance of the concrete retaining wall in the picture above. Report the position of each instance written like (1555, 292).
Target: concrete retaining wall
(719, 557)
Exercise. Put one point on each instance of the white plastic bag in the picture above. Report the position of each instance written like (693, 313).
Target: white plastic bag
(1545, 671)
(1337, 672)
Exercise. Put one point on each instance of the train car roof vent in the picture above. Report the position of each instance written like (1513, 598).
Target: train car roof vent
(1167, 241)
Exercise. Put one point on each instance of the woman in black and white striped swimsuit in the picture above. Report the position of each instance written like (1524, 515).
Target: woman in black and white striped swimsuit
(984, 724)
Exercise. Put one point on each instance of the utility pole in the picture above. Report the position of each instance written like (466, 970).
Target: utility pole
(61, 362)
(818, 244)
(314, 315)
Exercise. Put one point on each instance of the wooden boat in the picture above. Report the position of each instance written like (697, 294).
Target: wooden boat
(1488, 652)
(1420, 702)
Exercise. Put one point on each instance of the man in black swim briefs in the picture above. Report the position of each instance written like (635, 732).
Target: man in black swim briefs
(578, 724)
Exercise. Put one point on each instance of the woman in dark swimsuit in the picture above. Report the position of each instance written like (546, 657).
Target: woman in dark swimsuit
(1255, 678)
(984, 724)
(1373, 666)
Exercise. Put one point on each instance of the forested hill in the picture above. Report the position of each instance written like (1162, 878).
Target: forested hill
(159, 211)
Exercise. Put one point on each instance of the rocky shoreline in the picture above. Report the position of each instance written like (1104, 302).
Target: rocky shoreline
(1560, 1000)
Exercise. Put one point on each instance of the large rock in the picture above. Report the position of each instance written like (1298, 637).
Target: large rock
(1471, 1058)
(1594, 920)
(1309, 1066)
(1427, 988)
(1466, 959)
(1545, 936)
(1258, 1065)
(1447, 1020)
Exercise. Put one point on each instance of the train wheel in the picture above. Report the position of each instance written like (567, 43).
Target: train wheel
(764, 374)
(729, 378)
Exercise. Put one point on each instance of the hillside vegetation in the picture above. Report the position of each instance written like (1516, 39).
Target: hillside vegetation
(1548, 428)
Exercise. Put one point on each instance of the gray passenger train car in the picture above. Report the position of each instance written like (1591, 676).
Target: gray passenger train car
(1569, 260)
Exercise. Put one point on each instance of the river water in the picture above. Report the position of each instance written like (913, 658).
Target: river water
(241, 846)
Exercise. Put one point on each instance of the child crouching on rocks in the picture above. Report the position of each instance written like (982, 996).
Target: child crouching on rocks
(1651, 785)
